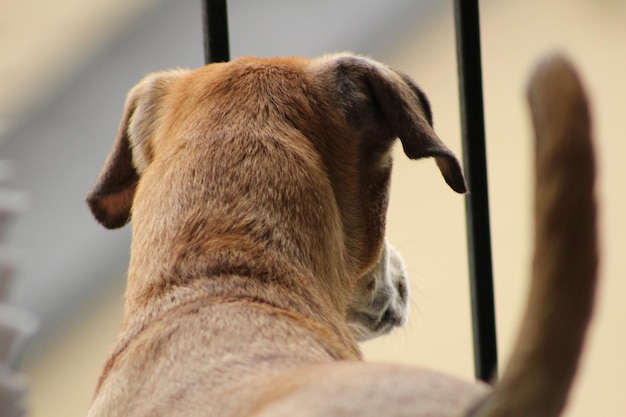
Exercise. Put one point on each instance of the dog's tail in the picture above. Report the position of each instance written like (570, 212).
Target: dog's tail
(538, 378)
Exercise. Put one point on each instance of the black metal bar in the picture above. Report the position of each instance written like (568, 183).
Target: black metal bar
(215, 24)
(477, 200)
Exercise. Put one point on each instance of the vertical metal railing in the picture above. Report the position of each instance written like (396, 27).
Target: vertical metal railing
(216, 45)
(215, 26)
(467, 25)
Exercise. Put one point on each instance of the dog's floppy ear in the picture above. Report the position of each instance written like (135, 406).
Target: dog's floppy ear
(111, 197)
(405, 111)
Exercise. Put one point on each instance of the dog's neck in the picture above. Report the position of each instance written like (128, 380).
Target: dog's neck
(278, 245)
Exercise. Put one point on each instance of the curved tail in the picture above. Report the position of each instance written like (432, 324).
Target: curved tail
(543, 365)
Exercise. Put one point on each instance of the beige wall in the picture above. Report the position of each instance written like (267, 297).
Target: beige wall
(426, 219)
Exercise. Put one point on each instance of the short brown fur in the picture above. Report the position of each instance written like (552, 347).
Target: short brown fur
(258, 192)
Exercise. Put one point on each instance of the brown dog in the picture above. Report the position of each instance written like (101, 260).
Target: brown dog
(258, 192)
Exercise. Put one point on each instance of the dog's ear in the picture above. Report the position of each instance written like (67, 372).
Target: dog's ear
(111, 197)
(401, 107)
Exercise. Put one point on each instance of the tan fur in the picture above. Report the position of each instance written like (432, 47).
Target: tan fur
(258, 192)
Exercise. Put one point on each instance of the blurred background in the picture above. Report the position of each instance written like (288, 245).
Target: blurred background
(67, 65)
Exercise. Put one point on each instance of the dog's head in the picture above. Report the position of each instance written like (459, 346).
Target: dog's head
(287, 155)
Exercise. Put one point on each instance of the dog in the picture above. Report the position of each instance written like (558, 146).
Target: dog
(257, 192)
